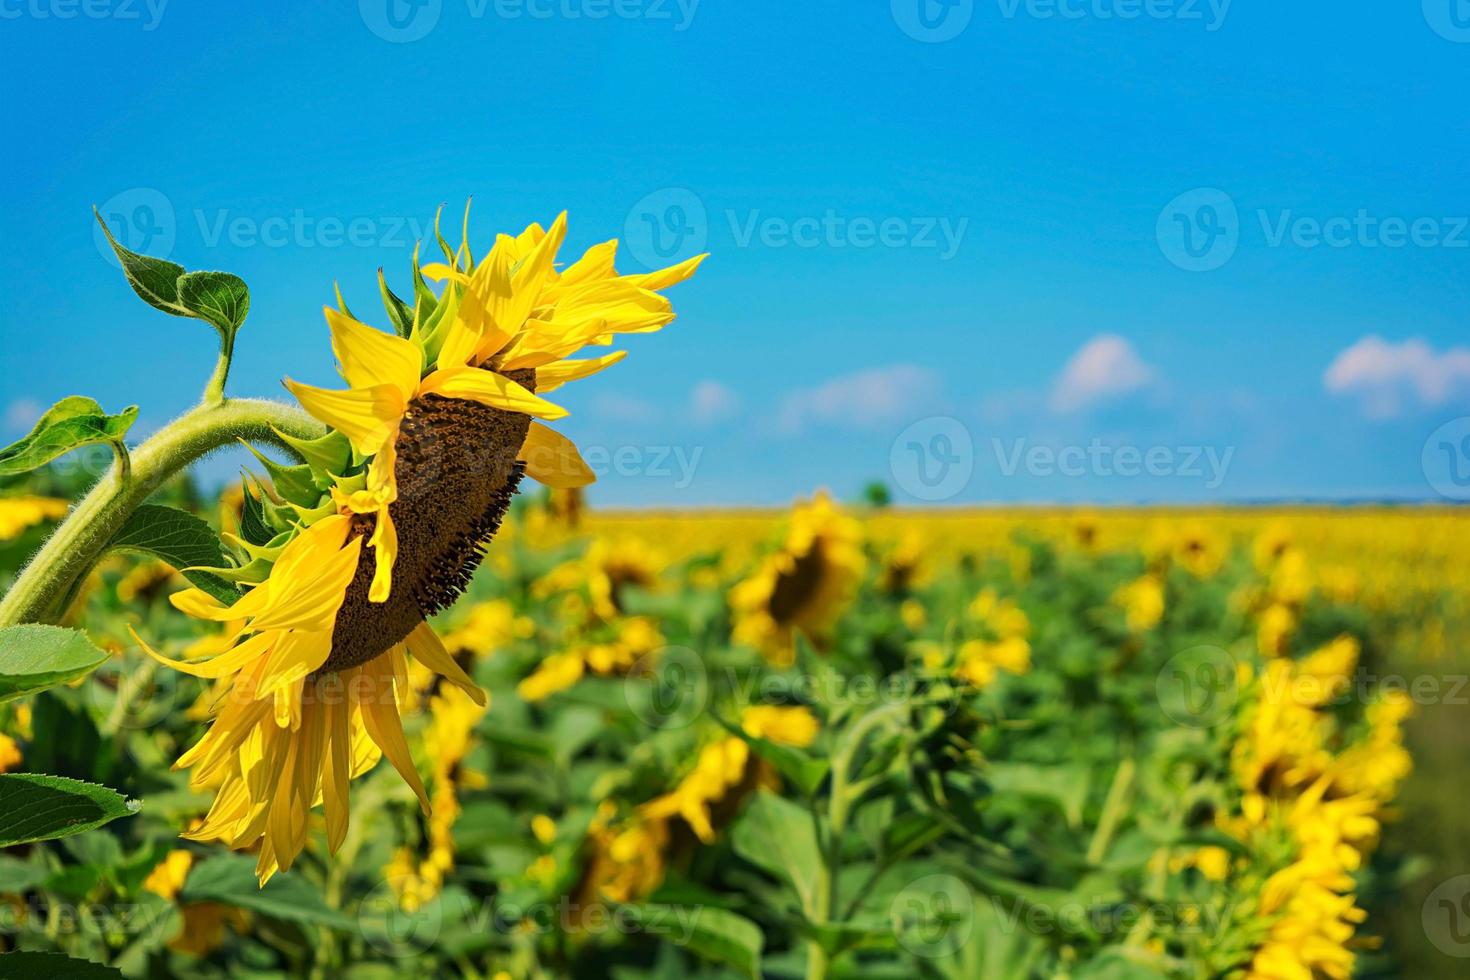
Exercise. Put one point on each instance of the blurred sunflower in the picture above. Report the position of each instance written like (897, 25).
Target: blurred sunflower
(439, 421)
(17, 514)
(804, 585)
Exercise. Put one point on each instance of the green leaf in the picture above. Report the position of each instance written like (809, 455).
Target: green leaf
(154, 280)
(778, 837)
(230, 879)
(220, 298)
(1064, 785)
(52, 966)
(71, 423)
(180, 539)
(804, 771)
(715, 934)
(34, 657)
(34, 807)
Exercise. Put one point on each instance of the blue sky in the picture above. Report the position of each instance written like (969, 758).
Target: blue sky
(984, 250)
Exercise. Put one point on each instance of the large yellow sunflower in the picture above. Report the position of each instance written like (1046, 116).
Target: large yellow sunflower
(439, 421)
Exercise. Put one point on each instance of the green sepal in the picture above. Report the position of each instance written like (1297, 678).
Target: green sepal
(310, 515)
(329, 456)
(444, 245)
(341, 303)
(436, 326)
(294, 484)
(399, 312)
(252, 516)
(71, 423)
(256, 552)
(252, 573)
(282, 517)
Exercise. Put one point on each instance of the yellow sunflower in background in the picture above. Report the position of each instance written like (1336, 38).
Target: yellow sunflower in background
(804, 585)
(18, 514)
(439, 422)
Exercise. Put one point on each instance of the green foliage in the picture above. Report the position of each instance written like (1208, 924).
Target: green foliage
(71, 423)
(218, 298)
(38, 808)
(34, 657)
(182, 540)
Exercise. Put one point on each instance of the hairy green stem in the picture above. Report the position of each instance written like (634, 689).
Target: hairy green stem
(82, 539)
(214, 391)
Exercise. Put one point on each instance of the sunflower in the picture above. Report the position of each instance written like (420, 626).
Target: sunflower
(18, 514)
(346, 555)
(804, 585)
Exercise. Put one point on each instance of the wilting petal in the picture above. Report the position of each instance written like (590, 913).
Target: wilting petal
(552, 459)
(425, 646)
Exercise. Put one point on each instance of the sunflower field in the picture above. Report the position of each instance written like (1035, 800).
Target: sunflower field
(383, 709)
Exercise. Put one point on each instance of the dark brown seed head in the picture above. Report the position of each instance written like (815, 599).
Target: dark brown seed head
(456, 473)
(794, 589)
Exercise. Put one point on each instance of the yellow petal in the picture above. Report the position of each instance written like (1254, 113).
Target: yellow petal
(366, 416)
(380, 716)
(552, 376)
(385, 546)
(552, 459)
(425, 646)
(370, 357)
(489, 388)
(672, 276)
(221, 666)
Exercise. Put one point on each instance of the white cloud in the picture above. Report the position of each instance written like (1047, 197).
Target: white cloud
(1105, 367)
(21, 414)
(863, 399)
(711, 401)
(1385, 375)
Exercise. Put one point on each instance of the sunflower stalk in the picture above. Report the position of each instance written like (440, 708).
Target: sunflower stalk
(83, 538)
